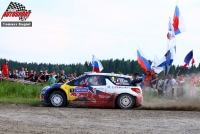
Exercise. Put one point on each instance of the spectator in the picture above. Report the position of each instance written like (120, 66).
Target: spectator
(74, 75)
(173, 84)
(39, 77)
(154, 81)
(64, 77)
(51, 79)
(30, 73)
(147, 80)
(142, 85)
(193, 84)
(16, 73)
(58, 78)
(136, 75)
(160, 86)
(12, 75)
(169, 86)
(180, 89)
(22, 74)
(54, 74)
(44, 77)
(33, 77)
(4, 69)
(46, 72)
(71, 77)
(26, 76)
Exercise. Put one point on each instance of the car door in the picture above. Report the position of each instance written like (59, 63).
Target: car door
(97, 87)
(90, 89)
(78, 90)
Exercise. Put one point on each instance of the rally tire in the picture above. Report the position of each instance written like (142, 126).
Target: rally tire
(57, 99)
(125, 101)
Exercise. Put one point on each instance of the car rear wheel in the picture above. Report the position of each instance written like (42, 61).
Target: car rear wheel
(57, 99)
(125, 101)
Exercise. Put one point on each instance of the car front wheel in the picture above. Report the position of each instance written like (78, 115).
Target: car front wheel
(57, 99)
(125, 101)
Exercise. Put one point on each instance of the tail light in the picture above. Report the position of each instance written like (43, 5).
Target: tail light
(135, 90)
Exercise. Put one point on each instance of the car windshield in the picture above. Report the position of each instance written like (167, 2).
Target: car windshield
(75, 79)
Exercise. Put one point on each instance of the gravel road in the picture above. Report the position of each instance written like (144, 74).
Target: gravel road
(31, 119)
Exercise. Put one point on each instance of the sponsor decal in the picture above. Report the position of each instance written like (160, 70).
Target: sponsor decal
(117, 87)
(81, 90)
(101, 88)
(103, 96)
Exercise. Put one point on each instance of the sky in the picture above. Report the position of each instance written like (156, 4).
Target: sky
(71, 31)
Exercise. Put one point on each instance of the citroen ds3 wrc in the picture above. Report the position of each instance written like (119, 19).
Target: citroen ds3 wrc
(94, 90)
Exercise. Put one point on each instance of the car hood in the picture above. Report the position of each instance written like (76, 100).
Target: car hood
(57, 85)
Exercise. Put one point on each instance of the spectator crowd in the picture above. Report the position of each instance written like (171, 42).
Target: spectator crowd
(33, 76)
(184, 84)
(165, 85)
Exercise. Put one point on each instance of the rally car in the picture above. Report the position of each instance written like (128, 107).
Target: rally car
(94, 89)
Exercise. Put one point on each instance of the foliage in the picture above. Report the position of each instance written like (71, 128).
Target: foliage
(14, 92)
(117, 65)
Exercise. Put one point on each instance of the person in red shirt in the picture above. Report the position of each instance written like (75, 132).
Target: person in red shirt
(147, 80)
(4, 69)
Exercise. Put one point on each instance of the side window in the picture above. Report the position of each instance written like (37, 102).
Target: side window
(120, 81)
(96, 80)
(83, 80)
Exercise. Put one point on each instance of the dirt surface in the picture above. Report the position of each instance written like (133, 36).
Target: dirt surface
(32, 119)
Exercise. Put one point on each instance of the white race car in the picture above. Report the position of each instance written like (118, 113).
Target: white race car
(95, 89)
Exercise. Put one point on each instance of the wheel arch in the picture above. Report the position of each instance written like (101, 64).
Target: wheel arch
(116, 105)
(56, 89)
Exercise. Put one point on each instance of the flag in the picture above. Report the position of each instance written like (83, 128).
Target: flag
(142, 61)
(154, 64)
(170, 34)
(97, 66)
(168, 57)
(179, 25)
(189, 60)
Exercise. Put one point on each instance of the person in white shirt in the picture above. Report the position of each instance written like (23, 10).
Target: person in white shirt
(168, 87)
(22, 74)
(174, 83)
(170, 84)
(160, 86)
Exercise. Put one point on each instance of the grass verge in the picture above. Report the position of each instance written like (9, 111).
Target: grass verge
(19, 93)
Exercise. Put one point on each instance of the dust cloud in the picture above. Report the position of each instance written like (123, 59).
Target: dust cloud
(190, 101)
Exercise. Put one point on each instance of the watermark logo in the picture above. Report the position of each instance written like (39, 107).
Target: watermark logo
(18, 10)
